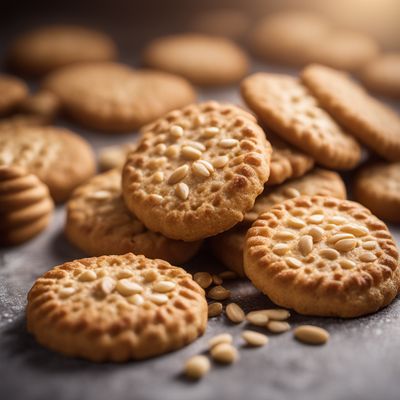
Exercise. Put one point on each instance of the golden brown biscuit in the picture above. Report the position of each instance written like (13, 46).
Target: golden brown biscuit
(323, 256)
(377, 187)
(98, 222)
(114, 156)
(228, 246)
(25, 205)
(12, 92)
(50, 47)
(286, 106)
(286, 161)
(43, 103)
(369, 120)
(61, 159)
(202, 59)
(20, 120)
(382, 74)
(114, 97)
(196, 171)
(116, 308)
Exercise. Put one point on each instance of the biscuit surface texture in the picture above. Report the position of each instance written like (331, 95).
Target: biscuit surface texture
(323, 256)
(42, 50)
(286, 106)
(202, 59)
(60, 158)
(114, 97)
(25, 205)
(369, 120)
(377, 187)
(116, 308)
(98, 222)
(196, 171)
(13, 91)
(228, 246)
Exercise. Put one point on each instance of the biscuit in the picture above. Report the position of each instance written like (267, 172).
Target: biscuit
(377, 187)
(13, 91)
(50, 47)
(114, 97)
(369, 120)
(323, 256)
(60, 159)
(197, 170)
(116, 308)
(287, 107)
(381, 75)
(228, 246)
(202, 59)
(26, 207)
(43, 103)
(20, 120)
(286, 161)
(114, 156)
(98, 222)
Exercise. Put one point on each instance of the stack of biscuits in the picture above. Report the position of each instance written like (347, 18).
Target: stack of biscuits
(257, 184)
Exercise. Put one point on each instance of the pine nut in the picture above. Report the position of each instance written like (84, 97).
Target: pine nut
(234, 313)
(218, 293)
(136, 299)
(207, 164)
(182, 190)
(316, 219)
(368, 257)
(214, 309)
(278, 326)
(224, 353)
(345, 245)
(127, 288)
(317, 233)
(190, 153)
(311, 334)
(172, 151)
(284, 235)
(370, 245)
(164, 286)
(347, 264)
(107, 285)
(340, 236)
(293, 262)
(176, 131)
(355, 229)
(254, 339)
(306, 244)
(280, 249)
(220, 162)
(158, 177)
(158, 298)
(87, 276)
(203, 279)
(218, 339)
(200, 169)
(257, 318)
(210, 131)
(66, 292)
(330, 254)
(178, 174)
(197, 366)
(277, 314)
(295, 222)
(228, 143)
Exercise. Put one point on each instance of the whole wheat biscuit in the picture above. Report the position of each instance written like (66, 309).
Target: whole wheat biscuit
(286, 161)
(373, 123)
(114, 156)
(12, 92)
(43, 103)
(228, 246)
(98, 222)
(323, 256)
(25, 205)
(202, 59)
(287, 107)
(114, 97)
(377, 187)
(50, 47)
(285, 37)
(197, 171)
(381, 75)
(61, 159)
(116, 308)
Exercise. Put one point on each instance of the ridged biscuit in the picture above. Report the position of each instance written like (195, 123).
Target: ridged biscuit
(26, 207)
(286, 106)
(61, 159)
(50, 47)
(323, 256)
(98, 222)
(202, 59)
(369, 120)
(116, 308)
(228, 246)
(196, 171)
(114, 97)
(13, 91)
(377, 187)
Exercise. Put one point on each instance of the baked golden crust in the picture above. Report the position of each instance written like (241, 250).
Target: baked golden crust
(98, 222)
(196, 171)
(116, 308)
(323, 256)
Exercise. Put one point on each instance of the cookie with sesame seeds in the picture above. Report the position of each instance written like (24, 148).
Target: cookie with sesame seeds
(12, 92)
(286, 161)
(98, 222)
(113, 97)
(60, 158)
(323, 256)
(283, 104)
(116, 308)
(366, 118)
(47, 48)
(197, 170)
(204, 60)
(377, 187)
(228, 246)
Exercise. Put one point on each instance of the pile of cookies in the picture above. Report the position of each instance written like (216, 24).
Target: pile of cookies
(258, 186)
